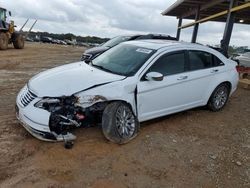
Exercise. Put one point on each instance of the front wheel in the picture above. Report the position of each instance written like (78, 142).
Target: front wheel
(219, 97)
(119, 124)
(18, 41)
(3, 41)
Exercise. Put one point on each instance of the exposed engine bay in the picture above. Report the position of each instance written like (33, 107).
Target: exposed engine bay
(67, 113)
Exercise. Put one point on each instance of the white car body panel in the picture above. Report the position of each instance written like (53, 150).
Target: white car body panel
(161, 96)
(244, 59)
(148, 99)
(119, 90)
(69, 79)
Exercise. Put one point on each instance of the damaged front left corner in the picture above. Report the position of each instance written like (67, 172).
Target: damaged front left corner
(71, 112)
(64, 116)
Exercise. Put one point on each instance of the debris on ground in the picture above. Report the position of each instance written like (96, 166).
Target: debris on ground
(212, 157)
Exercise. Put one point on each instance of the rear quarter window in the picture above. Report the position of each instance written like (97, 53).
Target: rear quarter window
(203, 60)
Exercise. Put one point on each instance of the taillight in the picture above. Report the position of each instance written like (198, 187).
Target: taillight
(237, 68)
(241, 69)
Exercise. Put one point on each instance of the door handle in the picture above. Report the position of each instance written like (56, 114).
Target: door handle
(182, 78)
(214, 70)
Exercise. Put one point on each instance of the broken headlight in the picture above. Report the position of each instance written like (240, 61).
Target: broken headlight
(60, 105)
(46, 102)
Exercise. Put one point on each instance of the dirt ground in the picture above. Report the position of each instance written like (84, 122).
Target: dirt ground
(196, 148)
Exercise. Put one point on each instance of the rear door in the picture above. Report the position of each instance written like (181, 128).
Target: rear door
(203, 68)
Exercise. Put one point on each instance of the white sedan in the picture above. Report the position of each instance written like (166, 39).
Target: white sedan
(243, 59)
(133, 82)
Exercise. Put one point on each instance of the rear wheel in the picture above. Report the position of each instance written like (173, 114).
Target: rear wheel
(3, 41)
(219, 97)
(119, 124)
(18, 41)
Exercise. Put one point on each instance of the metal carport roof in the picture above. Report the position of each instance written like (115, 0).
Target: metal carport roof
(229, 11)
(187, 9)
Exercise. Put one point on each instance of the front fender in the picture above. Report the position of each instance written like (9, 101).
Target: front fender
(123, 90)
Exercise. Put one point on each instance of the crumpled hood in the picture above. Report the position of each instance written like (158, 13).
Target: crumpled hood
(69, 79)
(96, 50)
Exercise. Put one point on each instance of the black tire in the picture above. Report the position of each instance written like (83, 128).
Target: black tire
(18, 41)
(3, 41)
(219, 97)
(117, 130)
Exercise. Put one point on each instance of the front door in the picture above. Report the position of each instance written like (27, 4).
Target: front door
(158, 98)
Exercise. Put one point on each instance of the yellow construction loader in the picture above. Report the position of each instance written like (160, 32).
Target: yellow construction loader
(8, 34)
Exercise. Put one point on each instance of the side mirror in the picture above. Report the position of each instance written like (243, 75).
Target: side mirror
(154, 76)
(87, 61)
(9, 13)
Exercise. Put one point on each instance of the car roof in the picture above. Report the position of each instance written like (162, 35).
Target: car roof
(157, 36)
(127, 35)
(157, 44)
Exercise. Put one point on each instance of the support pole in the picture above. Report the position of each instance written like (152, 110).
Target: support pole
(179, 29)
(30, 29)
(196, 26)
(24, 25)
(32, 26)
(228, 28)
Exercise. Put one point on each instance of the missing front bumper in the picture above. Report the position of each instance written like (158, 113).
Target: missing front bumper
(45, 136)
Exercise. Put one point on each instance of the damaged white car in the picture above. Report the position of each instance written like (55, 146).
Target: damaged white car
(130, 83)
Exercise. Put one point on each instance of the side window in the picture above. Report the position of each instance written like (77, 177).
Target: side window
(217, 62)
(170, 64)
(200, 60)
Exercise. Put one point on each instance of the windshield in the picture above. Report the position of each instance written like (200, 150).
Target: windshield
(115, 41)
(124, 59)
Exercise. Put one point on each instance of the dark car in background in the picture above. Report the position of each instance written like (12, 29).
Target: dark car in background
(92, 53)
(46, 40)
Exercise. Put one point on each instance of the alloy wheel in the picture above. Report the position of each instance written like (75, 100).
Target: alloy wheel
(125, 122)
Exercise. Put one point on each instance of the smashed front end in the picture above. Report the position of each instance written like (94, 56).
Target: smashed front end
(52, 118)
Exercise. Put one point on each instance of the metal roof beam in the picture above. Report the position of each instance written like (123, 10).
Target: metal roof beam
(203, 7)
(235, 9)
(173, 6)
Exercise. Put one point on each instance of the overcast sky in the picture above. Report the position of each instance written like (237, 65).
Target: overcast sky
(114, 17)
